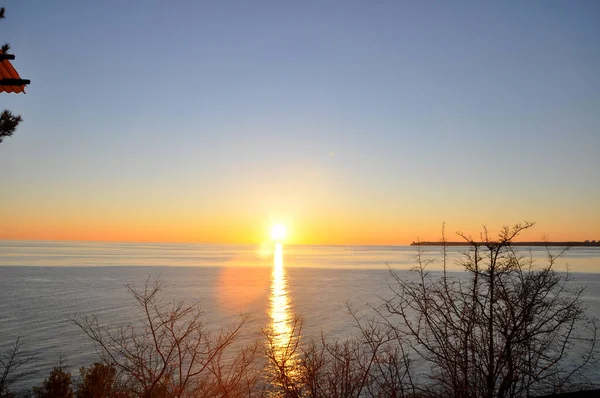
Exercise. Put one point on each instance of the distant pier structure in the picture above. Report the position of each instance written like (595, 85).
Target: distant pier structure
(585, 243)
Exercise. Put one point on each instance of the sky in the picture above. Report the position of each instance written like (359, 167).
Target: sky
(351, 122)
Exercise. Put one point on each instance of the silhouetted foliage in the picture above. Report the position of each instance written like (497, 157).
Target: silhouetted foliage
(6, 46)
(11, 367)
(98, 381)
(8, 123)
(370, 364)
(505, 329)
(170, 353)
(57, 384)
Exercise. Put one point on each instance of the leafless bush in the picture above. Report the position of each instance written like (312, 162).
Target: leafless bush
(505, 329)
(370, 364)
(170, 353)
(11, 367)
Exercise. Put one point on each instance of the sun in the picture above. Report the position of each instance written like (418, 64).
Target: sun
(278, 232)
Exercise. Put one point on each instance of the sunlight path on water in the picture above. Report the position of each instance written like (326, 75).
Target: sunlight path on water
(283, 340)
(280, 303)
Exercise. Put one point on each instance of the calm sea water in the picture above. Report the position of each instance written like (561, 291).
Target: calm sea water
(45, 284)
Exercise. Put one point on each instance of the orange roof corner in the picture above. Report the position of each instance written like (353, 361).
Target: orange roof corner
(10, 81)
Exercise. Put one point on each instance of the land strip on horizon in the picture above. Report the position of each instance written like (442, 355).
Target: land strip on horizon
(564, 244)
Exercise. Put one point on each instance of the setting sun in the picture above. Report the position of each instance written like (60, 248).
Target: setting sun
(278, 232)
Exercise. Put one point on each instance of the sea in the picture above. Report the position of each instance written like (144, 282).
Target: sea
(44, 286)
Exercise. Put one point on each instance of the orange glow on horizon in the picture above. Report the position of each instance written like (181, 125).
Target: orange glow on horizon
(255, 230)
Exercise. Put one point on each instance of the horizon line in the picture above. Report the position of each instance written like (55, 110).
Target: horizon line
(411, 244)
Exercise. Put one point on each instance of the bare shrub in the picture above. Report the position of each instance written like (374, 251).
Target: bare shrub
(170, 353)
(57, 384)
(370, 364)
(99, 381)
(503, 329)
(12, 363)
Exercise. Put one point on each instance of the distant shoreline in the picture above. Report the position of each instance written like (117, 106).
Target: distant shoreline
(563, 244)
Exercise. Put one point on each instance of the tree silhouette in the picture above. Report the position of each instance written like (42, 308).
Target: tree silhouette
(505, 328)
(57, 384)
(8, 123)
(98, 381)
(170, 352)
(12, 367)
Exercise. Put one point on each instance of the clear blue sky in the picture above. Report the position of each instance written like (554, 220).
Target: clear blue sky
(357, 121)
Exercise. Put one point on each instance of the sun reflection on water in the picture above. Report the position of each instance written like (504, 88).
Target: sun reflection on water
(284, 338)
(280, 302)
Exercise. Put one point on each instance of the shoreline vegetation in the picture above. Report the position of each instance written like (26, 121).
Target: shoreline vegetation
(510, 329)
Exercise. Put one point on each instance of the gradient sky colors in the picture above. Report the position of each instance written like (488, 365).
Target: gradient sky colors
(351, 122)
